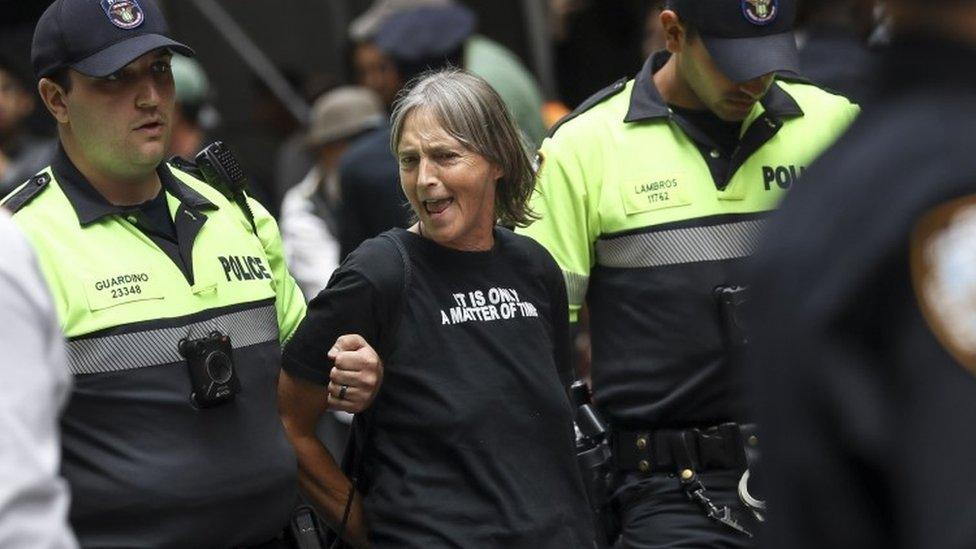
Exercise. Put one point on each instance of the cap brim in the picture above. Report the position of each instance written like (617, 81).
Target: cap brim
(743, 59)
(121, 54)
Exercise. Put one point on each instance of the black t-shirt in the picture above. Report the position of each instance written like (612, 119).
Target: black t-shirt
(472, 442)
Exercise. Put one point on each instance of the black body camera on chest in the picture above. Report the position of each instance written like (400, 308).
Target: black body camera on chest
(210, 361)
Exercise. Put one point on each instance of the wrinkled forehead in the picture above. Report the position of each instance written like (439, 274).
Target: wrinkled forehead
(428, 125)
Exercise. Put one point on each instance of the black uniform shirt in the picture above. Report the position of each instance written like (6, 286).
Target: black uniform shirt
(156, 217)
(867, 419)
(711, 134)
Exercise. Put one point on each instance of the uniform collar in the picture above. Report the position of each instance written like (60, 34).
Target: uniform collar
(646, 102)
(90, 206)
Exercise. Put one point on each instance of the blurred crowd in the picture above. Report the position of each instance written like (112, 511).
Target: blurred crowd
(330, 177)
(590, 44)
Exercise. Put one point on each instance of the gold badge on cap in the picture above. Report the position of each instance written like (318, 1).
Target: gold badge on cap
(125, 14)
(943, 262)
(760, 12)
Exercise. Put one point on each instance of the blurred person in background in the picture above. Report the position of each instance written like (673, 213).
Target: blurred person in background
(195, 115)
(372, 67)
(34, 500)
(864, 363)
(377, 66)
(832, 39)
(310, 211)
(368, 172)
(652, 194)
(21, 154)
(292, 159)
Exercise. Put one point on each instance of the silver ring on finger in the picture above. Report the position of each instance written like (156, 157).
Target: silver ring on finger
(342, 391)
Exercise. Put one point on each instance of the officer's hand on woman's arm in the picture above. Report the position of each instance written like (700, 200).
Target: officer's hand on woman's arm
(358, 368)
(301, 405)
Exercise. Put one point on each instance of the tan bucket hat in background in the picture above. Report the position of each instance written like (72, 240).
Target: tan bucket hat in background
(343, 113)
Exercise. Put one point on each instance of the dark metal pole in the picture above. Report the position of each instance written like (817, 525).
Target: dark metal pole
(340, 27)
(540, 44)
(254, 57)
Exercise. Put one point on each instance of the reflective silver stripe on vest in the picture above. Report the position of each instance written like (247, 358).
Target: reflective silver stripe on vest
(576, 285)
(116, 353)
(679, 246)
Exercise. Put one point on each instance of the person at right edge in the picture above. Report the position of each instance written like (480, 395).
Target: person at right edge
(866, 362)
(652, 194)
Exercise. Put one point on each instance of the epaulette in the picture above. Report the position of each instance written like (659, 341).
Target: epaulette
(795, 78)
(185, 165)
(592, 101)
(28, 192)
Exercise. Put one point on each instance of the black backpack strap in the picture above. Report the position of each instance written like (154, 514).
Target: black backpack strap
(353, 459)
(407, 272)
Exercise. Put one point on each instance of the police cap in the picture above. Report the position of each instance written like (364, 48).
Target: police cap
(746, 38)
(98, 37)
(368, 24)
(426, 34)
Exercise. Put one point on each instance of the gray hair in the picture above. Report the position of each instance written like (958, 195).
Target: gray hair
(472, 112)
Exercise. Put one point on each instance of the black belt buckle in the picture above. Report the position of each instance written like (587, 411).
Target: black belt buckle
(721, 447)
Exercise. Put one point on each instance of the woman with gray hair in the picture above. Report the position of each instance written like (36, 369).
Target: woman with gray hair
(470, 440)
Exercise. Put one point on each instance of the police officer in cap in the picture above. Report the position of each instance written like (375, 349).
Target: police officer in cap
(865, 302)
(173, 296)
(652, 194)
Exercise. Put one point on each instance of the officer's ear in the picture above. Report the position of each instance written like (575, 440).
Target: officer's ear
(674, 31)
(54, 97)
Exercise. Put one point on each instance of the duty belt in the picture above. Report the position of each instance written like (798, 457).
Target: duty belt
(719, 447)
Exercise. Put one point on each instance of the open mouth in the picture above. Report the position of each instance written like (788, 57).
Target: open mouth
(434, 207)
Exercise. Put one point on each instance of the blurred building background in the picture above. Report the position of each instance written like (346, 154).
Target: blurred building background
(573, 47)
(266, 61)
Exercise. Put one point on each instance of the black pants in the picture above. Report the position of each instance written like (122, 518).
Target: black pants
(655, 513)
